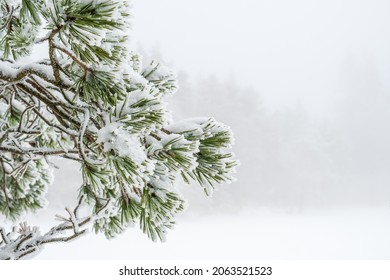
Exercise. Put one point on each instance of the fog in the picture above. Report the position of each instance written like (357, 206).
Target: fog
(303, 84)
(286, 50)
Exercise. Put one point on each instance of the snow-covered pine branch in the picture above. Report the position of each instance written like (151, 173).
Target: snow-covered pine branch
(93, 101)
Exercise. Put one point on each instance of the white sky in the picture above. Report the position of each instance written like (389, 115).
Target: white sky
(286, 50)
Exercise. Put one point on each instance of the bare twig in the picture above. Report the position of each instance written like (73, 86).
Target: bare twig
(31, 241)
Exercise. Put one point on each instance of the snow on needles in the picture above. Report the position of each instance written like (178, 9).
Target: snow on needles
(115, 138)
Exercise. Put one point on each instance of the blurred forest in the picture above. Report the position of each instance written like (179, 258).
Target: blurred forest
(290, 159)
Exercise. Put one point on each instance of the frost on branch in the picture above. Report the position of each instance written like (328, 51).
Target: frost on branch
(93, 101)
(25, 242)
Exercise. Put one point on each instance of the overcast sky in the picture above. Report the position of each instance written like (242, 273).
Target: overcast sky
(289, 51)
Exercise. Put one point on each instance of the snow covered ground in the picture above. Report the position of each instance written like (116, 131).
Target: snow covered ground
(258, 234)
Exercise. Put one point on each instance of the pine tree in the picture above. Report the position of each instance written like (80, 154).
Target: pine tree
(93, 101)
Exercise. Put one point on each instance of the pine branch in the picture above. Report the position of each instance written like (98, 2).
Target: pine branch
(92, 101)
(53, 60)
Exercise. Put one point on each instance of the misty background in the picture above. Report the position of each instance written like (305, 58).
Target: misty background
(303, 84)
(305, 87)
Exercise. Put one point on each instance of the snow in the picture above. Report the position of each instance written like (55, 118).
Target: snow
(193, 125)
(350, 233)
(11, 71)
(116, 138)
(3, 108)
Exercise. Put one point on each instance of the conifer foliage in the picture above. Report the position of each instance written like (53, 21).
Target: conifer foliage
(93, 101)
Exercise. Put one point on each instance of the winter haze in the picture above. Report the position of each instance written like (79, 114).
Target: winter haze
(305, 87)
(303, 84)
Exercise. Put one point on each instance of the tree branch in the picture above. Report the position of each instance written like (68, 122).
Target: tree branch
(73, 57)
(12, 75)
(31, 241)
(36, 151)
